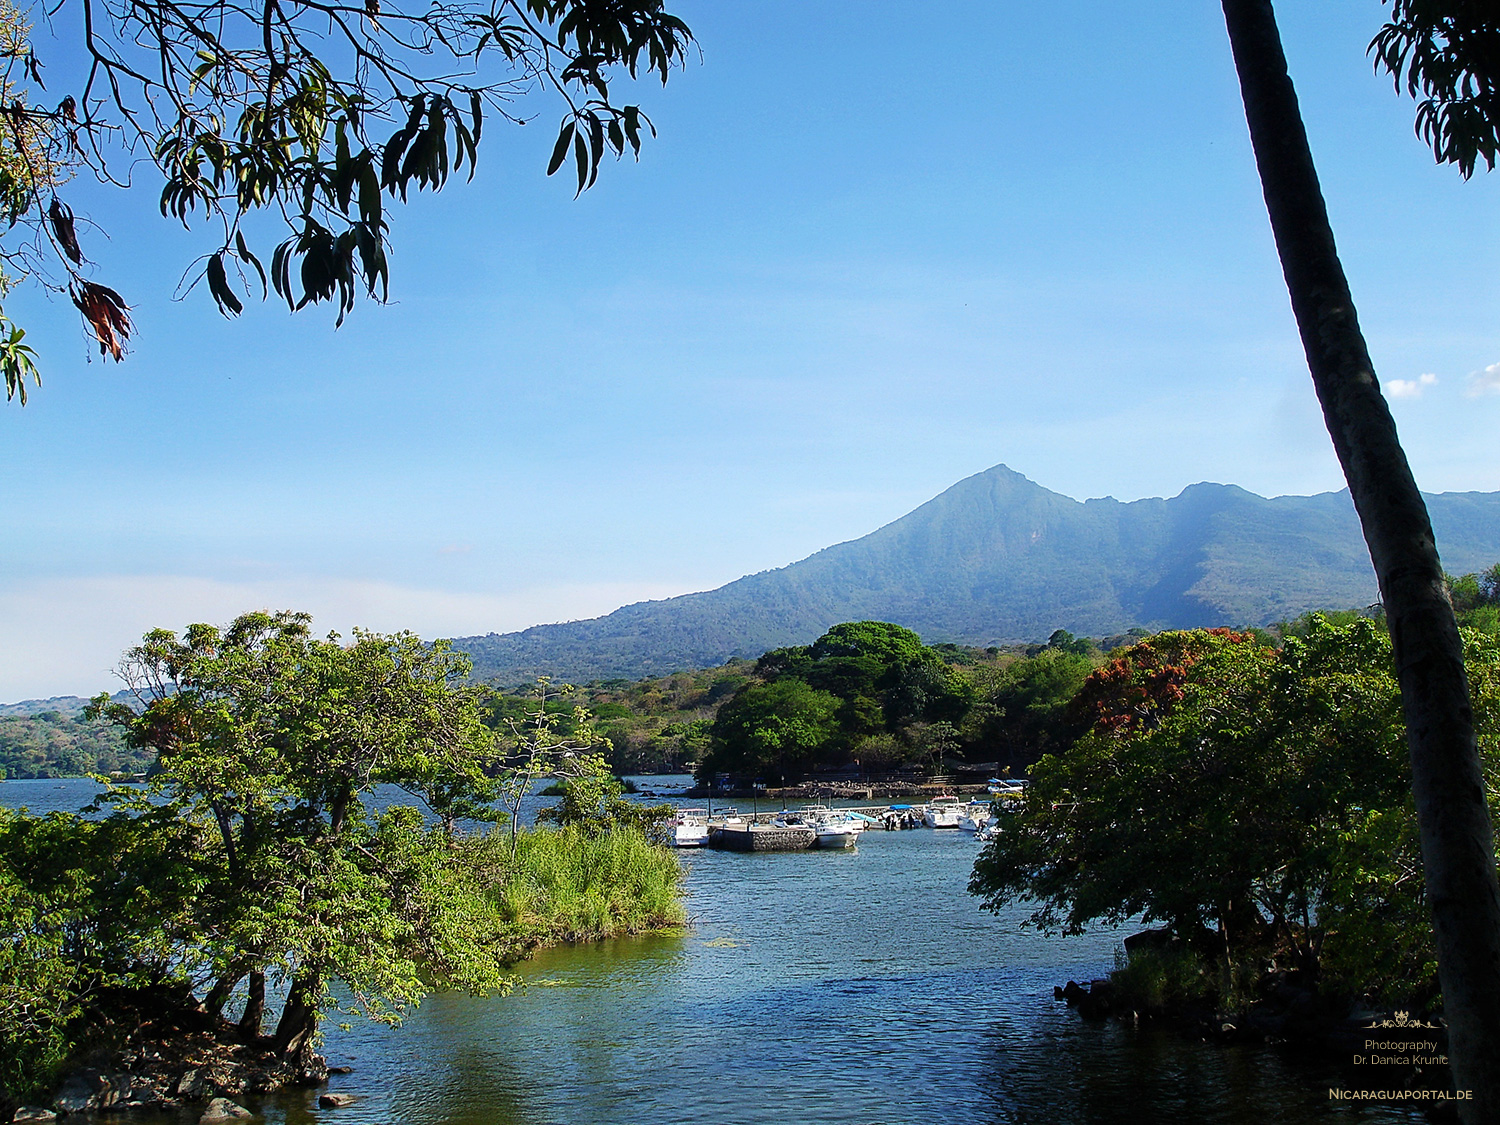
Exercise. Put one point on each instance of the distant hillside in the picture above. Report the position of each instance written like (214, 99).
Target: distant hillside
(998, 558)
(69, 705)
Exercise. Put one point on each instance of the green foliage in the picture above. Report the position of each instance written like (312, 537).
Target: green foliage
(252, 856)
(1257, 801)
(1476, 599)
(85, 906)
(577, 885)
(774, 731)
(269, 742)
(315, 114)
(1028, 707)
(593, 802)
(812, 706)
(648, 726)
(51, 744)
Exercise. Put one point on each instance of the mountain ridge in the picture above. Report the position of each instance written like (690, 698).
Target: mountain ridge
(998, 558)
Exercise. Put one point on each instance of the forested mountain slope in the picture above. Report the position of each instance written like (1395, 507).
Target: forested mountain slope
(998, 558)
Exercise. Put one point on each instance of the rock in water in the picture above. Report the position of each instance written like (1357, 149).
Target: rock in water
(336, 1101)
(34, 1113)
(221, 1110)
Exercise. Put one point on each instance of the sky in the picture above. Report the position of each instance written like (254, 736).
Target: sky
(875, 248)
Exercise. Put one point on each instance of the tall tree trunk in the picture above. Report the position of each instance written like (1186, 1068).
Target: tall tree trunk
(255, 1006)
(222, 989)
(299, 1017)
(1458, 856)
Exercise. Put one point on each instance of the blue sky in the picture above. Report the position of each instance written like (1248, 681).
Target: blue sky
(876, 248)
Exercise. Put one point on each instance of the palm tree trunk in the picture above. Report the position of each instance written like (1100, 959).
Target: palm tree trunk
(1458, 855)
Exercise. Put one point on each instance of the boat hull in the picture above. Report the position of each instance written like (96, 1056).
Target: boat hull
(839, 839)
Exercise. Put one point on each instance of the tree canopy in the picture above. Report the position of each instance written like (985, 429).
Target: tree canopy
(814, 705)
(316, 113)
(1254, 799)
(268, 744)
(270, 852)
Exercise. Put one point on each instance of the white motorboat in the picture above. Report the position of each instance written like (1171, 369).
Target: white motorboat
(943, 812)
(689, 828)
(834, 828)
(976, 814)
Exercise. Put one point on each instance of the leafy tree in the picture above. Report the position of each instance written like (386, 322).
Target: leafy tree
(541, 744)
(1029, 710)
(316, 112)
(87, 908)
(878, 679)
(1448, 53)
(1240, 796)
(1065, 641)
(593, 802)
(1446, 49)
(269, 743)
(773, 730)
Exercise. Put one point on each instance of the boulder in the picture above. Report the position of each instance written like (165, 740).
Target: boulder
(222, 1110)
(34, 1113)
(1155, 940)
(80, 1092)
(191, 1084)
(336, 1101)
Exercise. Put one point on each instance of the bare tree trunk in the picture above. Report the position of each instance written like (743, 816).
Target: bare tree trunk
(1458, 856)
(299, 1017)
(219, 994)
(255, 1006)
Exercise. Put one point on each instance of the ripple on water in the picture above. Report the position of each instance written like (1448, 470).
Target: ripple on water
(838, 987)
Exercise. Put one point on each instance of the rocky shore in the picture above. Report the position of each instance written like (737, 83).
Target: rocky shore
(1393, 1053)
(175, 1057)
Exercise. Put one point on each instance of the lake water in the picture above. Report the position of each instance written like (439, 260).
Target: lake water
(840, 987)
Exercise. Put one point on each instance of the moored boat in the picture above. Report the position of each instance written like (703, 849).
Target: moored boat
(976, 814)
(688, 829)
(832, 828)
(942, 812)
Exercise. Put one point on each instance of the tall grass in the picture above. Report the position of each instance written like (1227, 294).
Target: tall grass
(566, 885)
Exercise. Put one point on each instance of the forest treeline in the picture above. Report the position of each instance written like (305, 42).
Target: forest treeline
(867, 698)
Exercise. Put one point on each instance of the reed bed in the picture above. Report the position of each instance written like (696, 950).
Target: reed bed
(566, 885)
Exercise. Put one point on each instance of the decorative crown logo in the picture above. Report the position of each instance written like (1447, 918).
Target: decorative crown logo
(1401, 1019)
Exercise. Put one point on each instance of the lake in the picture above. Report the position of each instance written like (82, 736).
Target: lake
(841, 987)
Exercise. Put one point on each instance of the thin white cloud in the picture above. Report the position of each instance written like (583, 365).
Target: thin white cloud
(1410, 388)
(1484, 382)
(65, 636)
